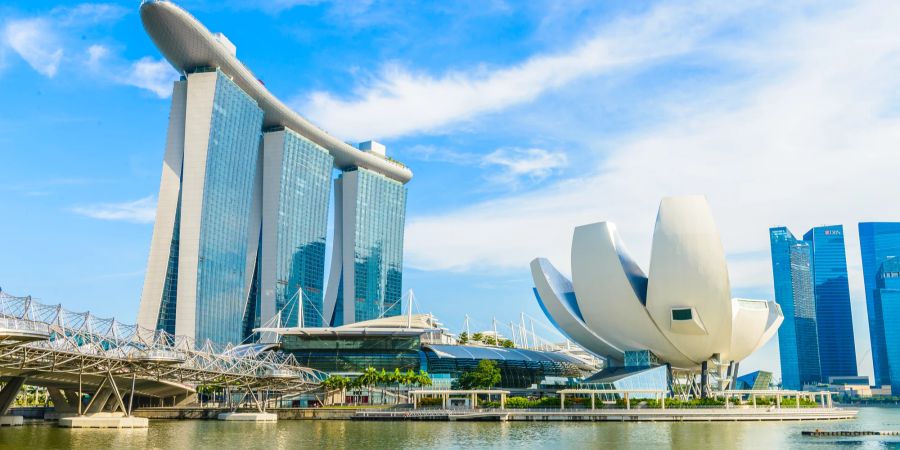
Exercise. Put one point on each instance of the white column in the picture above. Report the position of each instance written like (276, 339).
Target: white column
(166, 209)
(200, 95)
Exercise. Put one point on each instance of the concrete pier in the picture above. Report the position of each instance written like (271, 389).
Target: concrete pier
(103, 420)
(248, 417)
(11, 421)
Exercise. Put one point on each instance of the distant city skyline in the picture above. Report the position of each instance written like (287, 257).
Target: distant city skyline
(521, 122)
(817, 340)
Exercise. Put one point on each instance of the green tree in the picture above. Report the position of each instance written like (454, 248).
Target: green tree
(423, 379)
(477, 337)
(463, 338)
(486, 375)
(369, 378)
(506, 343)
(489, 340)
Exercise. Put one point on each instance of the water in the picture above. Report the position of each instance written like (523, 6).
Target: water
(302, 434)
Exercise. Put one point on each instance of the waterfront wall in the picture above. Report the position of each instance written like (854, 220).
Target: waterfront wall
(213, 413)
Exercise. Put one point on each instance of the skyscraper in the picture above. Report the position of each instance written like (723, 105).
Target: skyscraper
(837, 349)
(887, 295)
(241, 223)
(366, 269)
(206, 194)
(811, 286)
(798, 342)
(296, 189)
(878, 241)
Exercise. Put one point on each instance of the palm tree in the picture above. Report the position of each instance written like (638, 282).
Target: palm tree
(397, 378)
(423, 378)
(368, 379)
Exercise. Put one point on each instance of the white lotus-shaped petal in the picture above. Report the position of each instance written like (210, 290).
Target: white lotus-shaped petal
(682, 312)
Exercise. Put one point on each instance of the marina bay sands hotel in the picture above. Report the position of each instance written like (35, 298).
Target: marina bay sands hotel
(242, 218)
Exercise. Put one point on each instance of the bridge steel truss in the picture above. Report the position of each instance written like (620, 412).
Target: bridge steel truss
(74, 353)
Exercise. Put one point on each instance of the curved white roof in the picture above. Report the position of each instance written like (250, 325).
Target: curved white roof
(188, 45)
(682, 310)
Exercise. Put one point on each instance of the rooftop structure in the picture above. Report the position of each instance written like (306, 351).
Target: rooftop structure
(682, 314)
(189, 45)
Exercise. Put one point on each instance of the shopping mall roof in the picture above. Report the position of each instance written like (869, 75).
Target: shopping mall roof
(498, 353)
(405, 325)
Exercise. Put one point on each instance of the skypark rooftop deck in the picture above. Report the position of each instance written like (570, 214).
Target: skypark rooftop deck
(188, 45)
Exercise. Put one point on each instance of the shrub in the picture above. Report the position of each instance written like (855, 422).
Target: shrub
(518, 403)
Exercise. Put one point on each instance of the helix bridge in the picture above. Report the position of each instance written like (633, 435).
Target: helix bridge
(118, 364)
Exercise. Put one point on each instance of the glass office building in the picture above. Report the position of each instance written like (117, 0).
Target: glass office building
(296, 190)
(887, 293)
(834, 321)
(878, 241)
(798, 342)
(366, 273)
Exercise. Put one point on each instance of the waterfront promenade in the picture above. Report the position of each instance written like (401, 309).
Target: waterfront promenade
(735, 414)
(706, 414)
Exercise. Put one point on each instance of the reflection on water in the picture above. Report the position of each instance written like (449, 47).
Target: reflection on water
(460, 435)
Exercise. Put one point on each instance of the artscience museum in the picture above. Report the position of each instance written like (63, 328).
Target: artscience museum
(679, 314)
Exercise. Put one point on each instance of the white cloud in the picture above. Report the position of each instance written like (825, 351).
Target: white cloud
(46, 42)
(811, 139)
(41, 41)
(533, 163)
(138, 211)
(96, 54)
(399, 101)
(35, 42)
(154, 75)
(273, 6)
(87, 14)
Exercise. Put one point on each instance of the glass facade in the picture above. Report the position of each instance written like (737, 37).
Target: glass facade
(380, 213)
(798, 343)
(887, 293)
(634, 377)
(519, 369)
(234, 139)
(302, 223)
(878, 241)
(759, 381)
(251, 311)
(640, 358)
(167, 307)
(352, 354)
(837, 348)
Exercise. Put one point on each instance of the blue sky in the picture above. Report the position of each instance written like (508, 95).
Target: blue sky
(520, 120)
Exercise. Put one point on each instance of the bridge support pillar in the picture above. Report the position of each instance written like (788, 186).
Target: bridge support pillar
(63, 402)
(98, 401)
(185, 399)
(7, 398)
